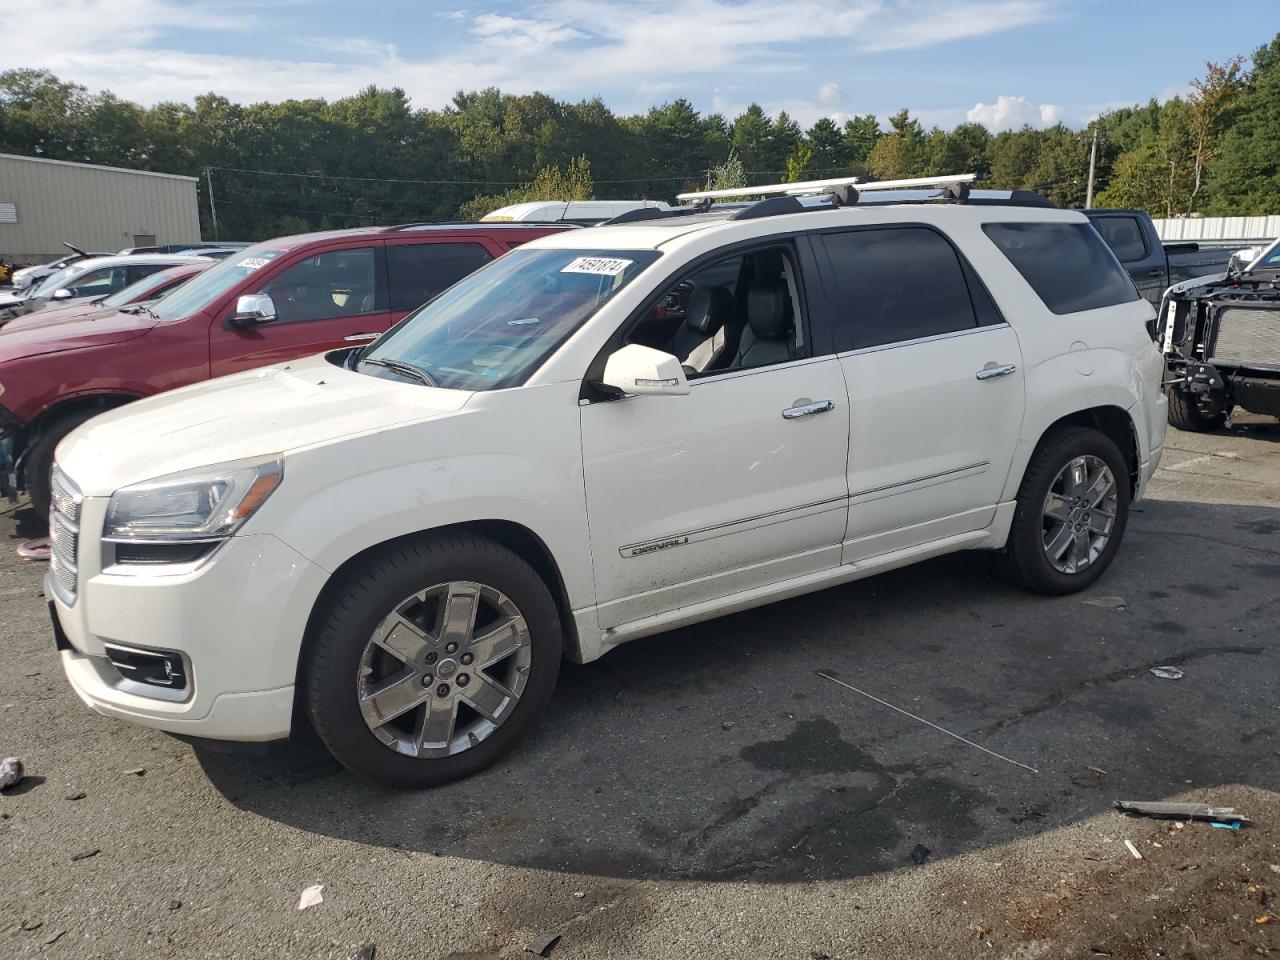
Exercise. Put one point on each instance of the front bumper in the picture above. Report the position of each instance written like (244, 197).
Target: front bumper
(238, 620)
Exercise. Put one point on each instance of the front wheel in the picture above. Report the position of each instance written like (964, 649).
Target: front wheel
(1072, 509)
(40, 459)
(433, 661)
(1194, 412)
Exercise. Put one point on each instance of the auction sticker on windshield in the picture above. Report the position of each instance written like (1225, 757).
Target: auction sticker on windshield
(599, 266)
(253, 263)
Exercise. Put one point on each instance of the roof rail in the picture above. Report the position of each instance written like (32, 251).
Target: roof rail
(844, 189)
(501, 224)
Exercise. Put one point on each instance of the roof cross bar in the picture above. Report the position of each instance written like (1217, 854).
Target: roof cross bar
(844, 189)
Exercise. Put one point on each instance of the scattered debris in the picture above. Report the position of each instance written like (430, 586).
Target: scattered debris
(1091, 778)
(578, 894)
(920, 853)
(76, 796)
(1168, 673)
(85, 854)
(542, 946)
(35, 551)
(1097, 770)
(1132, 849)
(1098, 951)
(175, 904)
(819, 955)
(1275, 868)
(311, 896)
(55, 938)
(1225, 826)
(1107, 603)
(884, 703)
(30, 925)
(10, 772)
(136, 771)
(727, 725)
(1183, 811)
(367, 952)
(1265, 918)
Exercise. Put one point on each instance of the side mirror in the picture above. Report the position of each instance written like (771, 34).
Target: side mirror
(253, 309)
(62, 293)
(639, 370)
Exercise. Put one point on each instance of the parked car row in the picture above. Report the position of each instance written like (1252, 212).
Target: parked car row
(23, 278)
(271, 302)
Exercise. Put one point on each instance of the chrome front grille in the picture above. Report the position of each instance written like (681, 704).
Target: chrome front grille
(1247, 337)
(64, 533)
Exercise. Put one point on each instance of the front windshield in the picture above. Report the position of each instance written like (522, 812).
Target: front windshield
(1270, 258)
(493, 328)
(134, 291)
(56, 281)
(197, 293)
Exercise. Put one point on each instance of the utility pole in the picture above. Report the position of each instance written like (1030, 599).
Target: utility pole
(1093, 166)
(213, 208)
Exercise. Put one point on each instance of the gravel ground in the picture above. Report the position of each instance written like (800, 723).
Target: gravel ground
(706, 794)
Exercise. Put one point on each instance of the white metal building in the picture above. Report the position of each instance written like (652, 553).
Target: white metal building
(100, 209)
(1219, 228)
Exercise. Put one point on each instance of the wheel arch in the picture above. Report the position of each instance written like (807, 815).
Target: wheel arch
(91, 403)
(516, 537)
(1113, 422)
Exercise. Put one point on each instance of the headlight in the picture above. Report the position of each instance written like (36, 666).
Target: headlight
(209, 503)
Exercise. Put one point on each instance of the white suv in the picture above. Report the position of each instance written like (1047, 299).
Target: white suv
(604, 434)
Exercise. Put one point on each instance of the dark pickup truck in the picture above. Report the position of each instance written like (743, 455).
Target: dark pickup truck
(1220, 336)
(1154, 266)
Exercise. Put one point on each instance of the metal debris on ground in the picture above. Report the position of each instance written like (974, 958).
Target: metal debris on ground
(367, 952)
(35, 551)
(1168, 673)
(920, 853)
(75, 796)
(542, 946)
(1183, 811)
(885, 703)
(85, 855)
(1132, 849)
(311, 896)
(10, 772)
(136, 771)
(1107, 603)
(1225, 826)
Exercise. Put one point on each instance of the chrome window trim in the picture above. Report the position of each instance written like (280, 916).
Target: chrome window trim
(896, 345)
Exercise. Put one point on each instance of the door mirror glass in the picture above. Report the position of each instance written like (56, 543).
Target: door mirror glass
(253, 309)
(640, 370)
(62, 293)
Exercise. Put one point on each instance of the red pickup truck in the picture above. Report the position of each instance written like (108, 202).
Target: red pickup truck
(275, 301)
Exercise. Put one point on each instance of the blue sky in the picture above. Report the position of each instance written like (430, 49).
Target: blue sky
(1001, 62)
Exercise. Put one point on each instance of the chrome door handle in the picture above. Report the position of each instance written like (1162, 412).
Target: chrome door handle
(356, 337)
(807, 409)
(991, 371)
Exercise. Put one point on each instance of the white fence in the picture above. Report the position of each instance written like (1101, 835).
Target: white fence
(1219, 228)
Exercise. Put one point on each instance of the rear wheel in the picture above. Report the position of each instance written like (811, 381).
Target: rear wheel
(1071, 514)
(1196, 412)
(433, 661)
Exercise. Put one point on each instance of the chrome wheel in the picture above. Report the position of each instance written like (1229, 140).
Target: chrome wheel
(1079, 514)
(444, 669)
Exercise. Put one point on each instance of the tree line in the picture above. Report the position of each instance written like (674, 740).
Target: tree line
(372, 158)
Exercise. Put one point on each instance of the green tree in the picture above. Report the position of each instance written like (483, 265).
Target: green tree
(751, 136)
(860, 135)
(550, 183)
(901, 152)
(800, 164)
(829, 151)
(727, 174)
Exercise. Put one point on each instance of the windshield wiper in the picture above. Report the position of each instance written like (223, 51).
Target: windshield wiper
(404, 369)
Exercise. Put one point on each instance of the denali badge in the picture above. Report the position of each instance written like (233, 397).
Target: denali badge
(653, 546)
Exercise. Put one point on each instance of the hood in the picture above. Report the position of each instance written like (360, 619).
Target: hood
(45, 332)
(12, 297)
(1189, 286)
(254, 414)
(83, 308)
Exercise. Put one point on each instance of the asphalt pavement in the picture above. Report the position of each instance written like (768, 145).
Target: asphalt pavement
(705, 793)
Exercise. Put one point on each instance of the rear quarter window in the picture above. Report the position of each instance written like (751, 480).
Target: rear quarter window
(1067, 264)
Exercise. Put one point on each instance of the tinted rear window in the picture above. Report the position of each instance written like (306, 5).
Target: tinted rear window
(1067, 264)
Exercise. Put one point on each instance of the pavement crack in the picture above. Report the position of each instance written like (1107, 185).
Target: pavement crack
(1060, 697)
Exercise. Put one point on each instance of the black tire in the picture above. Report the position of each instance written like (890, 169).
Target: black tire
(358, 605)
(39, 460)
(1194, 413)
(1026, 562)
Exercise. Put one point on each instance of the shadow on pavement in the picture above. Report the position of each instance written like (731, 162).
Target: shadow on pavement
(717, 752)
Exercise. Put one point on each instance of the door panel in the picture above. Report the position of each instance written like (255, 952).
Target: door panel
(321, 300)
(695, 497)
(930, 443)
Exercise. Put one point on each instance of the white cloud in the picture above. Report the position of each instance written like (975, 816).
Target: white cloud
(573, 48)
(830, 95)
(1013, 113)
